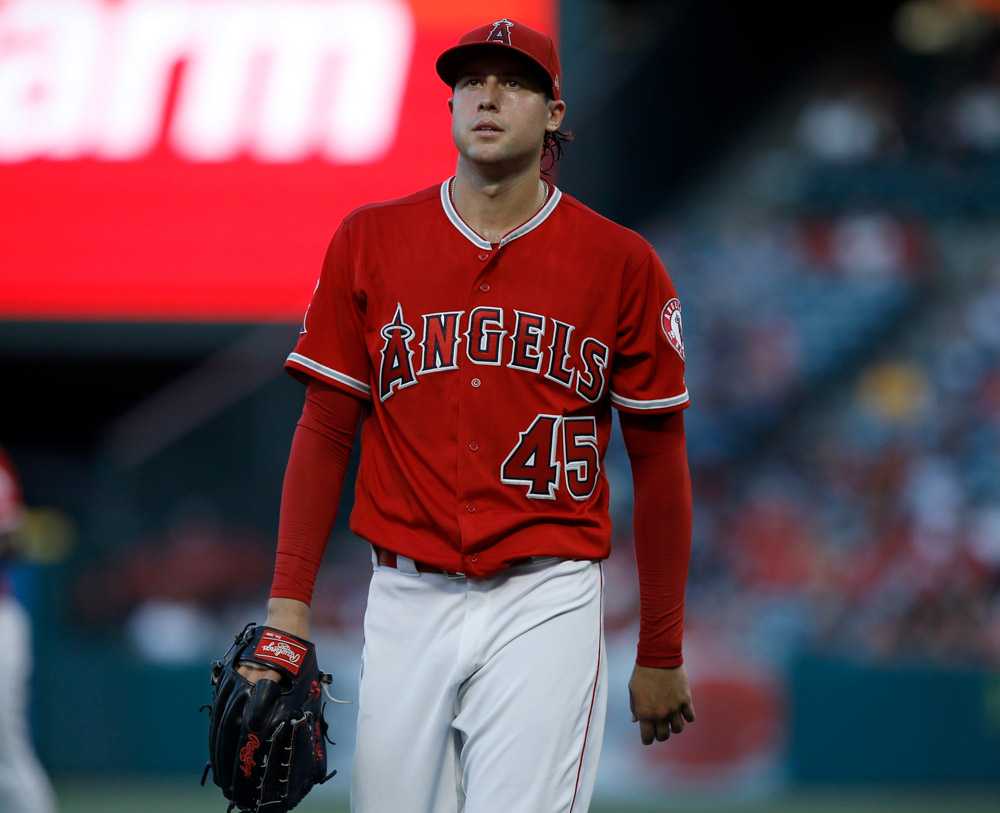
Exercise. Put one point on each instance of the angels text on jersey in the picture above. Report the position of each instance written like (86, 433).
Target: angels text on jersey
(490, 336)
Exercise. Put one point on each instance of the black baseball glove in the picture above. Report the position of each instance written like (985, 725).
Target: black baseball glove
(267, 740)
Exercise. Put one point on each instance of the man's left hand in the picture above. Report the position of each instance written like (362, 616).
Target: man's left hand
(660, 700)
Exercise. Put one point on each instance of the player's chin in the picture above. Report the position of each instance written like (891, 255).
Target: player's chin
(483, 152)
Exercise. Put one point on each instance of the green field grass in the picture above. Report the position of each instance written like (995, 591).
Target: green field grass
(163, 796)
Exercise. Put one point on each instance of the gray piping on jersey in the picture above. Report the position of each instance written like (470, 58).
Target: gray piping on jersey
(520, 231)
(660, 403)
(328, 372)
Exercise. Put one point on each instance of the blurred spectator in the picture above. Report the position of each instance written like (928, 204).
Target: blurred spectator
(24, 786)
(894, 392)
(869, 246)
(974, 117)
(773, 546)
(847, 126)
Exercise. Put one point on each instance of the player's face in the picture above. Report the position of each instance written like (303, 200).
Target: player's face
(500, 113)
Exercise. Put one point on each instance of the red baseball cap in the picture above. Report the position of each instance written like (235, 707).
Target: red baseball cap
(535, 45)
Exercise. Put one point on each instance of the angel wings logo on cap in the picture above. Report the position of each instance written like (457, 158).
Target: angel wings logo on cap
(670, 321)
(501, 32)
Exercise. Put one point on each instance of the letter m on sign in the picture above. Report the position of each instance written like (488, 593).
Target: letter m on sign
(500, 32)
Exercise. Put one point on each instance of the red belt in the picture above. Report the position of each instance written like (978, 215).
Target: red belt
(386, 558)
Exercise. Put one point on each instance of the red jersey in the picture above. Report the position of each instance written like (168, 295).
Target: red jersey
(490, 371)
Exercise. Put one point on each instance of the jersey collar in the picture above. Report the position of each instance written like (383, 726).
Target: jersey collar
(520, 231)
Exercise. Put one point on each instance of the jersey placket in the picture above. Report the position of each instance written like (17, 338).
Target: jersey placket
(479, 457)
(475, 404)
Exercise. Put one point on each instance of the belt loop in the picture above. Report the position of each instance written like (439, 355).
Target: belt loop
(375, 564)
(404, 564)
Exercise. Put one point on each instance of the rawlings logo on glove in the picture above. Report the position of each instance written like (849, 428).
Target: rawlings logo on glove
(247, 763)
(280, 648)
(265, 739)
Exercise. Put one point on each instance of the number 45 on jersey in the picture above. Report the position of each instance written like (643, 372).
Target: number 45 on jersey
(551, 446)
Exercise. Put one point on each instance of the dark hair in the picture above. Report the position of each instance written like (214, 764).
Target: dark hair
(552, 148)
(552, 145)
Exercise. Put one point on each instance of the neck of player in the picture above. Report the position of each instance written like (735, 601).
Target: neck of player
(493, 207)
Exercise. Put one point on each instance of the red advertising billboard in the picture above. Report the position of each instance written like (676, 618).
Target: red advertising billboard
(189, 159)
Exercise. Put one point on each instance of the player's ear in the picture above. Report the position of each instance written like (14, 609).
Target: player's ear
(557, 111)
(451, 105)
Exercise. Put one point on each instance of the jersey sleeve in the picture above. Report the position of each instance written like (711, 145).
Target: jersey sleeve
(647, 374)
(331, 345)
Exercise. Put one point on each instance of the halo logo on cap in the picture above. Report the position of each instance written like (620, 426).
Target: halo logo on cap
(501, 32)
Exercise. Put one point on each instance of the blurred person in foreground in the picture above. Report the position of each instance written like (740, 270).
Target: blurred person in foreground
(24, 786)
(481, 488)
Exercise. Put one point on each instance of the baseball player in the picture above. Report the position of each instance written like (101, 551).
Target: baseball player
(24, 786)
(480, 332)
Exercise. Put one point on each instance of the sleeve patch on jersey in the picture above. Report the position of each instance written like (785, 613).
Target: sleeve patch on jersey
(670, 321)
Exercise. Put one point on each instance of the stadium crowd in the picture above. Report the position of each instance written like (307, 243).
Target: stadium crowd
(841, 356)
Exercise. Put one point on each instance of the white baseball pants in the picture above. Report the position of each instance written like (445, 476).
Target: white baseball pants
(481, 695)
(24, 787)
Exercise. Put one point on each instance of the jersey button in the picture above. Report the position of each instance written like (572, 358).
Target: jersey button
(476, 382)
(471, 507)
(485, 287)
(474, 446)
(484, 256)
(474, 557)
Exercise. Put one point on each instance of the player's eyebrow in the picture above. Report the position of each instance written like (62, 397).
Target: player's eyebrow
(523, 77)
